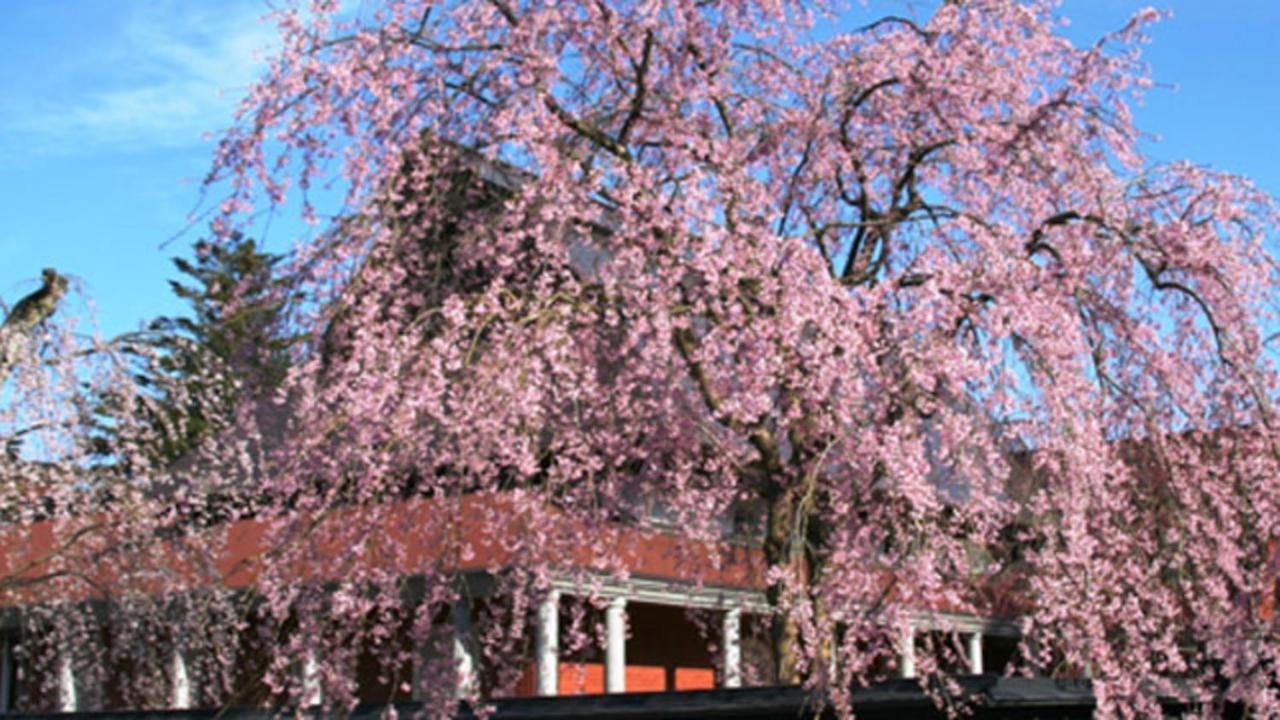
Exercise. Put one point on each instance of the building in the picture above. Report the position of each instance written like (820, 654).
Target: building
(660, 624)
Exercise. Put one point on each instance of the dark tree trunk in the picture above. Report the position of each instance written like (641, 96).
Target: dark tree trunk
(780, 551)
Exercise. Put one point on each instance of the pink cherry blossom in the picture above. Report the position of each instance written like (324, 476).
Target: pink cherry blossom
(907, 296)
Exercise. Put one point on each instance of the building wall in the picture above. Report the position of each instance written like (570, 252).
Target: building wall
(666, 650)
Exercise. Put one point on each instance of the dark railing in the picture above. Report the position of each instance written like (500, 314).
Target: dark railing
(990, 698)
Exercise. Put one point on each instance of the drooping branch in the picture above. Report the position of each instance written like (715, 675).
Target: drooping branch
(864, 417)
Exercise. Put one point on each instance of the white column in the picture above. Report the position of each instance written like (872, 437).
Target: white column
(67, 699)
(312, 690)
(975, 653)
(180, 696)
(465, 661)
(547, 642)
(615, 650)
(731, 639)
(907, 660)
(6, 675)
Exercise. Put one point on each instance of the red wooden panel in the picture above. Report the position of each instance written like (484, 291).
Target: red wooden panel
(695, 678)
(646, 678)
(581, 678)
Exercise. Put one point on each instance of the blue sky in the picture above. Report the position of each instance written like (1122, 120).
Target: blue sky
(105, 105)
(102, 122)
